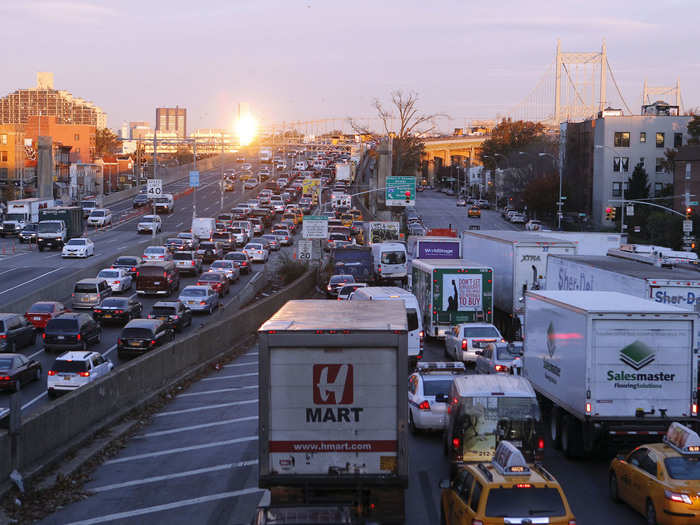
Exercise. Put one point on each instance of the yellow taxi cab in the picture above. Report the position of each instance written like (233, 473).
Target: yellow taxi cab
(347, 219)
(474, 211)
(661, 480)
(357, 214)
(507, 490)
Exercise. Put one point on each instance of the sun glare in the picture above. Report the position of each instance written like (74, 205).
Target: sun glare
(246, 129)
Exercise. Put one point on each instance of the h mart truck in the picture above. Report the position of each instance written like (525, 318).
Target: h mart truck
(609, 368)
(332, 406)
(452, 291)
(519, 261)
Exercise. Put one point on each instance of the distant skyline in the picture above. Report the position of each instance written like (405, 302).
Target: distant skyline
(305, 60)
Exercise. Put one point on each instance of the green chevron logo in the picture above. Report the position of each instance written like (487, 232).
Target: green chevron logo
(551, 340)
(637, 355)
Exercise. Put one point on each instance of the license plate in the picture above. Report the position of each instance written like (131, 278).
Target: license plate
(137, 343)
(61, 337)
(156, 283)
(108, 316)
(163, 318)
(66, 378)
(37, 318)
(190, 302)
(86, 299)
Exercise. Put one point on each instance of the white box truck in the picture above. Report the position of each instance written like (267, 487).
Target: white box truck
(22, 212)
(611, 369)
(676, 286)
(203, 227)
(519, 262)
(332, 406)
(343, 172)
(452, 291)
(587, 243)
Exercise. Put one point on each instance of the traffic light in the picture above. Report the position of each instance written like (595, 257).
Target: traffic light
(613, 213)
(688, 213)
(608, 213)
(408, 197)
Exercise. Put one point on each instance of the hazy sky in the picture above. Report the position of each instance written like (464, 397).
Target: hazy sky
(312, 59)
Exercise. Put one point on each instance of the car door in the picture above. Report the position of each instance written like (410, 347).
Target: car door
(19, 365)
(26, 331)
(643, 480)
(626, 474)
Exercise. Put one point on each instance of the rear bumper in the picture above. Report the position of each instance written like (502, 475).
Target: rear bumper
(62, 347)
(152, 292)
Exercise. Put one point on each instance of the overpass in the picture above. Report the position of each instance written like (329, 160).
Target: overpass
(446, 150)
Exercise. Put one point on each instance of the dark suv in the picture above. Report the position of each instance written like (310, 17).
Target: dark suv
(210, 251)
(228, 243)
(15, 332)
(173, 313)
(142, 335)
(71, 331)
(159, 278)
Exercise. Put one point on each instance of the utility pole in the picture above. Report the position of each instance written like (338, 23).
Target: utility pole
(194, 192)
(155, 163)
(221, 184)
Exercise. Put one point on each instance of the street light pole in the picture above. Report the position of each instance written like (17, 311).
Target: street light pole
(155, 158)
(559, 202)
(194, 191)
(221, 183)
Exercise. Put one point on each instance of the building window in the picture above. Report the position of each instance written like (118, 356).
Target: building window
(660, 139)
(3, 174)
(617, 189)
(658, 188)
(3, 139)
(643, 136)
(626, 187)
(641, 161)
(77, 150)
(659, 164)
(625, 164)
(616, 163)
(76, 137)
(3, 156)
(622, 139)
(677, 140)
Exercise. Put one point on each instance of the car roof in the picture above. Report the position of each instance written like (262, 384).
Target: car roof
(196, 287)
(167, 303)
(91, 280)
(488, 384)
(143, 323)
(77, 355)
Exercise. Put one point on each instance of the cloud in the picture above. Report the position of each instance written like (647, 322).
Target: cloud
(68, 11)
(563, 23)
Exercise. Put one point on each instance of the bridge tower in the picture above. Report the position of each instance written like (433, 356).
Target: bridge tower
(651, 92)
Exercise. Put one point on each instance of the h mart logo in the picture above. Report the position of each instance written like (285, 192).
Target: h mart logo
(333, 384)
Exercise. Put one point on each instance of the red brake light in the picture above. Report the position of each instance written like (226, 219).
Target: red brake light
(78, 337)
(424, 406)
(84, 374)
(5, 378)
(202, 303)
(464, 344)
(153, 341)
(540, 443)
(133, 269)
(43, 335)
(523, 486)
(3, 336)
(52, 372)
(456, 443)
(501, 368)
(120, 311)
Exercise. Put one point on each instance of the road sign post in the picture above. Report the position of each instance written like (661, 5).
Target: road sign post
(194, 179)
(400, 191)
(687, 226)
(305, 250)
(154, 188)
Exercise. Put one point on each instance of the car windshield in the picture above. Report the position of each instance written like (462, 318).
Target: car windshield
(64, 325)
(76, 242)
(207, 246)
(481, 331)
(41, 308)
(154, 250)
(184, 235)
(164, 310)
(136, 333)
(526, 501)
(210, 277)
(48, 227)
(162, 199)
(128, 261)
(108, 274)
(220, 264)
(393, 257)
(5, 363)
(69, 367)
(435, 386)
(681, 467)
(97, 213)
(506, 352)
(236, 256)
(342, 279)
(149, 218)
(174, 241)
(195, 292)
(253, 247)
(115, 302)
(182, 256)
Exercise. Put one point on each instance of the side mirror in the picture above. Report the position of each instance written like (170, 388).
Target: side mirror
(479, 352)
(445, 484)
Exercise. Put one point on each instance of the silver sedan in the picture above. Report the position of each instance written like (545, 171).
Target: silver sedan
(199, 298)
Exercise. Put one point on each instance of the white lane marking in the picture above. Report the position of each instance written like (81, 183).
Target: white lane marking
(208, 407)
(184, 474)
(37, 398)
(123, 247)
(217, 391)
(217, 378)
(167, 506)
(179, 224)
(240, 364)
(30, 280)
(32, 356)
(181, 449)
(196, 427)
(6, 271)
(110, 349)
(251, 353)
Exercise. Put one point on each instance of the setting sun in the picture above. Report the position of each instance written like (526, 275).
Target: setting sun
(246, 129)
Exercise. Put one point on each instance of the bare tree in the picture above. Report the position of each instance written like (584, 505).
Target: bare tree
(411, 125)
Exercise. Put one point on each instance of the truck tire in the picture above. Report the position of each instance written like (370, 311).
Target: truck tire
(571, 437)
(612, 488)
(555, 427)
(650, 513)
(41, 247)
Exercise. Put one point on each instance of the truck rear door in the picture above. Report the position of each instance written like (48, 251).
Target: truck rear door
(641, 364)
(333, 412)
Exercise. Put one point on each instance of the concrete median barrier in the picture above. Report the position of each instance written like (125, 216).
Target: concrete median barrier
(64, 425)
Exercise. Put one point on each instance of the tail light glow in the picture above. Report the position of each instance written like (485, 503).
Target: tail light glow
(52, 372)
(84, 374)
(424, 406)
(589, 408)
(464, 344)
(456, 443)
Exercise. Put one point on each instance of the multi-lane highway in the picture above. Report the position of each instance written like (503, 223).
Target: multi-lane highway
(37, 270)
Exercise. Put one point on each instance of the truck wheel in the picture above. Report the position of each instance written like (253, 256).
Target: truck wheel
(411, 423)
(41, 247)
(571, 442)
(554, 427)
(651, 513)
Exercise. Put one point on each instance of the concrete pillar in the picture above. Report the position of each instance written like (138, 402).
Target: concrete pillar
(384, 165)
(448, 158)
(45, 168)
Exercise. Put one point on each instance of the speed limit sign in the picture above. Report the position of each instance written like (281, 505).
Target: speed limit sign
(154, 187)
(304, 250)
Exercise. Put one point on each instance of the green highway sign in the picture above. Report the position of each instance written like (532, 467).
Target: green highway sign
(399, 190)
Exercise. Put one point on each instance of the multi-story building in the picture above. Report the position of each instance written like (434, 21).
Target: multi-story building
(600, 155)
(79, 137)
(172, 120)
(686, 177)
(19, 106)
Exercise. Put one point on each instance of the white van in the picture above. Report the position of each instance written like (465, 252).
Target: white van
(203, 227)
(390, 262)
(413, 315)
(300, 165)
(165, 203)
